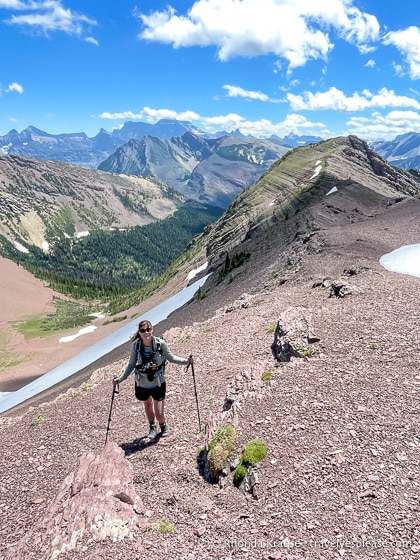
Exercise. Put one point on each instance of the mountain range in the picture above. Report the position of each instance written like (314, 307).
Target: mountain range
(77, 148)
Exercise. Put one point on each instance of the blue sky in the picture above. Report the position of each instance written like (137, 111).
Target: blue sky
(324, 68)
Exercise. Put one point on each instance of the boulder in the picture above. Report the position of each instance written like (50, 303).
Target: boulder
(95, 502)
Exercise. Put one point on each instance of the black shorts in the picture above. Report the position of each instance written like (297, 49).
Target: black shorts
(158, 393)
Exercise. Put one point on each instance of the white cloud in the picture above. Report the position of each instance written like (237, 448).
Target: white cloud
(13, 4)
(15, 87)
(151, 115)
(335, 99)
(236, 91)
(386, 126)
(46, 16)
(296, 31)
(263, 127)
(407, 42)
(370, 63)
(92, 40)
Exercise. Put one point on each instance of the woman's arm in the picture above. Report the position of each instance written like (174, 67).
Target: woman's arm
(131, 364)
(170, 356)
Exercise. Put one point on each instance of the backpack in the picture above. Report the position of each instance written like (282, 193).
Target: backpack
(150, 370)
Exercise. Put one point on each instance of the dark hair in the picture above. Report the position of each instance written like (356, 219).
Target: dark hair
(142, 324)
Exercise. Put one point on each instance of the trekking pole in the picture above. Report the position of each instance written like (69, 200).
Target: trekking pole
(115, 391)
(195, 390)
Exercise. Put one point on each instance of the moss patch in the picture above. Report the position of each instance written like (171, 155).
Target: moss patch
(253, 452)
(220, 447)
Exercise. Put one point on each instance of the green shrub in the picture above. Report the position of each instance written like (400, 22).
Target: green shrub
(253, 452)
(220, 447)
(164, 526)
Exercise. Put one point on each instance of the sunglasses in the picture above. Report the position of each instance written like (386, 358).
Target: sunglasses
(149, 329)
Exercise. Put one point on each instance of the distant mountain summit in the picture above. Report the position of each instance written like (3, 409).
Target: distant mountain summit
(74, 148)
(163, 129)
(294, 140)
(403, 151)
(212, 171)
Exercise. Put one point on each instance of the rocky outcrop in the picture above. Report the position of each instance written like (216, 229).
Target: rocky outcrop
(293, 335)
(95, 502)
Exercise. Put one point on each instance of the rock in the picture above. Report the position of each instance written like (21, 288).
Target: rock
(96, 501)
(293, 334)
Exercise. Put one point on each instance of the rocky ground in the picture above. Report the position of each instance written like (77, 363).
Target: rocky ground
(341, 426)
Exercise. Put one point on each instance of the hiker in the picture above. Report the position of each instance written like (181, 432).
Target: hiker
(148, 358)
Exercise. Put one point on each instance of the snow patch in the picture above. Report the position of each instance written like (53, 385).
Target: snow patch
(82, 234)
(317, 170)
(20, 247)
(193, 273)
(333, 190)
(405, 260)
(81, 332)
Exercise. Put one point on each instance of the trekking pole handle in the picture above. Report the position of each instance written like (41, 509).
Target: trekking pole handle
(116, 384)
(190, 361)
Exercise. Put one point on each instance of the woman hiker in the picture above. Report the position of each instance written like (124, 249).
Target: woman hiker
(148, 358)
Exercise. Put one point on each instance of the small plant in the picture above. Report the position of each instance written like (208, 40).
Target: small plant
(85, 387)
(302, 352)
(165, 527)
(266, 376)
(373, 345)
(239, 474)
(271, 330)
(38, 420)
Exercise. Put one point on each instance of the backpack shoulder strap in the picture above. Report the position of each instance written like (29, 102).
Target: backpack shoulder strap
(139, 351)
(158, 342)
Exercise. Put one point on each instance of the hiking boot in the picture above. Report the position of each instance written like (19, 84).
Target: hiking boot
(164, 431)
(152, 432)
